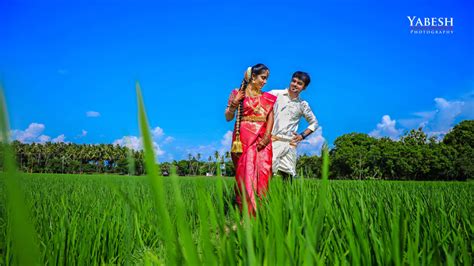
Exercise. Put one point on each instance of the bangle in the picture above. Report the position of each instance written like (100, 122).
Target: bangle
(303, 135)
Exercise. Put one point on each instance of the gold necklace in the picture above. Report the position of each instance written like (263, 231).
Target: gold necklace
(253, 93)
(257, 109)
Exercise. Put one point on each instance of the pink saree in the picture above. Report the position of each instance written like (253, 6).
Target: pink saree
(253, 167)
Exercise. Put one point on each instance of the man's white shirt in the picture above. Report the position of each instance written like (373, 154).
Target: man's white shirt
(287, 114)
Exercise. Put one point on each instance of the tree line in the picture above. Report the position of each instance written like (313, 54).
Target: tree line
(414, 157)
(354, 156)
(71, 158)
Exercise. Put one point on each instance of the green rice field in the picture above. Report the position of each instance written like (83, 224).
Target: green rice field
(87, 220)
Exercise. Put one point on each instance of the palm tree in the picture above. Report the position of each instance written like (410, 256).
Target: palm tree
(198, 166)
(210, 169)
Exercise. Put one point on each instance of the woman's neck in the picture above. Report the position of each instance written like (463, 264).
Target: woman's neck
(251, 91)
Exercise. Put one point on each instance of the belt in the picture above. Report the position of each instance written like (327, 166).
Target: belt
(254, 118)
(286, 139)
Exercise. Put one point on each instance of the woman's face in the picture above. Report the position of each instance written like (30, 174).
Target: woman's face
(260, 80)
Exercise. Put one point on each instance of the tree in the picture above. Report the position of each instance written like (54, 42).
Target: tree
(461, 138)
(350, 156)
(310, 166)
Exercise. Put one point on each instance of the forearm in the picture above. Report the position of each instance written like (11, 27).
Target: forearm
(229, 113)
(230, 110)
(301, 136)
(232, 105)
(310, 118)
(268, 131)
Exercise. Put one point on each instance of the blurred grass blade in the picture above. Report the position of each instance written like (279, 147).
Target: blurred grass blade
(168, 230)
(218, 168)
(173, 170)
(25, 248)
(130, 159)
(185, 236)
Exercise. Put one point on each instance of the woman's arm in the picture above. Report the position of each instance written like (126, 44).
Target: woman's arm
(268, 132)
(233, 104)
(230, 112)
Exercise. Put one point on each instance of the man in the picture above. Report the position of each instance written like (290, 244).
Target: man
(288, 110)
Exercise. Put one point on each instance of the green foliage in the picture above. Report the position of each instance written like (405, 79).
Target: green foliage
(309, 166)
(354, 155)
(82, 220)
(413, 157)
(77, 158)
(461, 138)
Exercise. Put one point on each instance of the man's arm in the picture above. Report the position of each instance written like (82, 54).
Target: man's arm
(310, 118)
(312, 121)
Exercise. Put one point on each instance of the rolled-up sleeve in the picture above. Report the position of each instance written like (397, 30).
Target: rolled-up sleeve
(309, 116)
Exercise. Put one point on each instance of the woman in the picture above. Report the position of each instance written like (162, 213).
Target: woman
(251, 141)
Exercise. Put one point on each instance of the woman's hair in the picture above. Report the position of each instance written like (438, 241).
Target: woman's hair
(259, 69)
(303, 76)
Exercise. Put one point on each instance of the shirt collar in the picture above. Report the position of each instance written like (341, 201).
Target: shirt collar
(287, 93)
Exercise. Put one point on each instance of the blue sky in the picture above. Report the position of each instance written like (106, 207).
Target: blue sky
(60, 60)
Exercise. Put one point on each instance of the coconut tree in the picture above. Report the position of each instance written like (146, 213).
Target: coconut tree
(210, 169)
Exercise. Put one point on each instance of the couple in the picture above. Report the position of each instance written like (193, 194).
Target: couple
(265, 130)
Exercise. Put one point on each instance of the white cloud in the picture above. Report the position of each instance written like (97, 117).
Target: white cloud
(136, 143)
(84, 133)
(92, 114)
(158, 150)
(386, 128)
(420, 120)
(437, 122)
(168, 140)
(209, 149)
(446, 114)
(226, 143)
(44, 138)
(131, 142)
(157, 132)
(34, 134)
(204, 150)
(31, 134)
(313, 144)
(59, 138)
(226, 140)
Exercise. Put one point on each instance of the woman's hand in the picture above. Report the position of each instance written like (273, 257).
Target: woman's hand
(238, 97)
(233, 104)
(263, 142)
(261, 145)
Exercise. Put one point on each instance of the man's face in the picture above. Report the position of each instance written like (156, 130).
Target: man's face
(297, 85)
